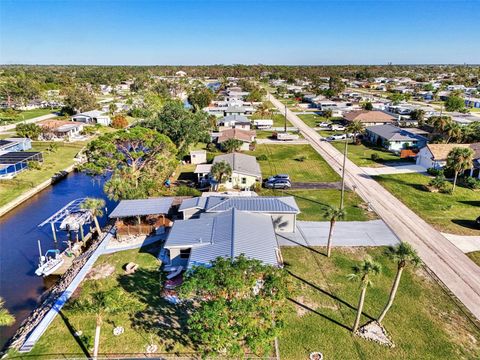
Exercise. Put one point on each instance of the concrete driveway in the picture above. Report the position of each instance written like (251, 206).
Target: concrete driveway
(345, 233)
(394, 169)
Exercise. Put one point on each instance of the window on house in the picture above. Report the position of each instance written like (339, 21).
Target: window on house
(184, 253)
(244, 180)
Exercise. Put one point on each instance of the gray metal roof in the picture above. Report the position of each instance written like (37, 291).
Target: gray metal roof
(258, 204)
(237, 119)
(241, 163)
(227, 234)
(141, 207)
(395, 133)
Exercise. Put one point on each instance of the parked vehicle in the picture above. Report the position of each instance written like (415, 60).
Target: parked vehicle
(279, 177)
(336, 127)
(285, 136)
(324, 124)
(278, 184)
(337, 137)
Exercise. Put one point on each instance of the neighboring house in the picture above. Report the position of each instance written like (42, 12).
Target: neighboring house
(394, 138)
(93, 117)
(233, 121)
(247, 137)
(472, 103)
(238, 110)
(370, 118)
(15, 144)
(282, 209)
(197, 242)
(62, 129)
(245, 170)
(435, 156)
(263, 123)
(198, 157)
(12, 163)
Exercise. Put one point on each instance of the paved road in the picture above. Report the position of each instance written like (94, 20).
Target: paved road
(460, 274)
(10, 127)
(347, 233)
(464, 242)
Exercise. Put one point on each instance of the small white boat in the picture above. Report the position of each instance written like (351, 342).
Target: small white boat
(75, 220)
(49, 263)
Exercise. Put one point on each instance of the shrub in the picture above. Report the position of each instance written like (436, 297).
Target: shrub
(375, 157)
(262, 157)
(472, 183)
(301, 158)
(187, 191)
(434, 172)
(34, 165)
(211, 147)
(119, 122)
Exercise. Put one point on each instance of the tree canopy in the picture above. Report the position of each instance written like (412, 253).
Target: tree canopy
(79, 99)
(201, 97)
(137, 161)
(240, 306)
(182, 126)
(455, 103)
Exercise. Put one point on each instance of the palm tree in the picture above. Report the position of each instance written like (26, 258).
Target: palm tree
(453, 131)
(440, 123)
(220, 170)
(333, 214)
(356, 127)
(232, 145)
(363, 272)
(102, 303)
(95, 206)
(459, 159)
(6, 319)
(263, 109)
(404, 254)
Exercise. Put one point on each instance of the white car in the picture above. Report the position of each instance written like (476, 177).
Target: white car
(324, 124)
(337, 137)
(336, 127)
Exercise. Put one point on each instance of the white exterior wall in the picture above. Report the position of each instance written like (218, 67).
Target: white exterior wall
(236, 181)
(284, 222)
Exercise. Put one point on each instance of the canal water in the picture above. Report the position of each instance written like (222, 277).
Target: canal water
(19, 286)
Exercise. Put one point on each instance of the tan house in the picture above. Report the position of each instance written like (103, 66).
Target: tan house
(60, 129)
(370, 118)
(245, 136)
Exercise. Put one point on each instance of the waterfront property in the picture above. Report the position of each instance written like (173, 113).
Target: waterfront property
(15, 144)
(394, 138)
(59, 129)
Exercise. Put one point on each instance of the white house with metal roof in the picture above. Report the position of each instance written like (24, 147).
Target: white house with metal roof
(283, 210)
(93, 117)
(245, 170)
(394, 138)
(199, 241)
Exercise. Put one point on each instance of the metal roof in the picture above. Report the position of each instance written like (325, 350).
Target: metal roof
(391, 132)
(227, 234)
(141, 207)
(241, 163)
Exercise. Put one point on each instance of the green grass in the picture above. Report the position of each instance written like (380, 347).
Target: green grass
(361, 154)
(424, 323)
(312, 119)
(474, 256)
(454, 213)
(313, 203)
(30, 114)
(283, 159)
(278, 119)
(53, 162)
(143, 325)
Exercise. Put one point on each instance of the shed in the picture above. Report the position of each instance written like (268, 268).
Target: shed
(198, 157)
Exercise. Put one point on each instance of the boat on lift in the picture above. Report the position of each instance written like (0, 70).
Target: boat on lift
(49, 262)
(74, 220)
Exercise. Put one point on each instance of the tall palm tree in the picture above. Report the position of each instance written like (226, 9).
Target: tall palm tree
(263, 109)
(459, 159)
(363, 272)
(333, 214)
(440, 123)
(102, 303)
(95, 206)
(404, 254)
(356, 127)
(453, 131)
(220, 170)
(6, 319)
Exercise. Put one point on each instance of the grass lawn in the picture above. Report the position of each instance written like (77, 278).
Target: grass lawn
(312, 119)
(53, 162)
(153, 320)
(475, 256)
(424, 323)
(313, 203)
(30, 114)
(361, 154)
(454, 213)
(283, 159)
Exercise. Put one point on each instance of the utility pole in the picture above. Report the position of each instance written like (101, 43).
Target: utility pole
(342, 197)
(285, 127)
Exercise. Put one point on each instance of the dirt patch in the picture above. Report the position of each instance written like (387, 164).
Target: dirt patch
(100, 272)
(307, 304)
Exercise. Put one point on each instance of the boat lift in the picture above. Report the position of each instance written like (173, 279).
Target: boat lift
(57, 218)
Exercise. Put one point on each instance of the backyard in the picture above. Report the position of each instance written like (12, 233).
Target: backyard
(454, 213)
(424, 323)
(54, 161)
(151, 319)
(301, 162)
(28, 114)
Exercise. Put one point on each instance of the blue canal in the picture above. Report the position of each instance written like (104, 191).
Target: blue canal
(19, 286)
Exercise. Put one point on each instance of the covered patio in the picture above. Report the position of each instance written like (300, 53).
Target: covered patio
(142, 217)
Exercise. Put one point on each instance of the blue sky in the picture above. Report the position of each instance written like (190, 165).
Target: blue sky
(233, 32)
